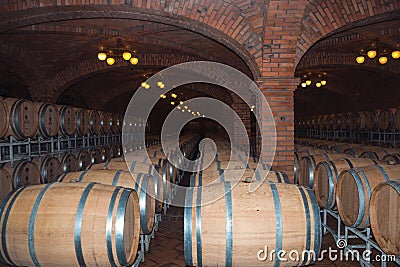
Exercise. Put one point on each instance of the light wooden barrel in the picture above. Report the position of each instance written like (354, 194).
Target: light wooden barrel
(392, 159)
(49, 119)
(162, 187)
(223, 165)
(114, 123)
(371, 118)
(305, 176)
(105, 122)
(67, 120)
(49, 168)
(231, 230)
(83, 160)
(377, 153)
(95, 122)
(96, 156)
(244, 175)
(77, 224)
(386, 119)
(142, 183)
(5, 184)
(326, 175)
(385, 216)
(3, 114)
(396, 123)
(82, 121)
(165, 164)
(23, 118)
(23, 173)
(68, 163)
(354, 189)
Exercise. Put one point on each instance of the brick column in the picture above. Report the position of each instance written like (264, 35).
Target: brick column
(243, 112)
(279, 92)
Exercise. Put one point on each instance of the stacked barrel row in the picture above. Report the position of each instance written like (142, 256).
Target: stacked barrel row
(232, 213)
(384, 120)
(25, 119)
(103, 209)
(358, 181)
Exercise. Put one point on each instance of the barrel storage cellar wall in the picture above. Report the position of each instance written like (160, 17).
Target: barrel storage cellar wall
(89, 175)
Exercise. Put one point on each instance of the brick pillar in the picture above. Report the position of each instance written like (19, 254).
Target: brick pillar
(279, 93)
(243, 112)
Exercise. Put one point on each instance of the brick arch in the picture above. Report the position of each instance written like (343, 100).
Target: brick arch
(322, 18)
(225, 24)
(73, 73)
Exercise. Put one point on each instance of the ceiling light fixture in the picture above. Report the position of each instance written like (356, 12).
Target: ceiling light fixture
(120, 50)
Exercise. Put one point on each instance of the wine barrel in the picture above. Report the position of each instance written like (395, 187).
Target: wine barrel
(67, 120)
(82, 121)
(105, 122)
(106, 153)
(321, 122)
(120, 121)
(162, 187)
(336, 120)
(357, 121)
(116, 151)
(385, 216)
(227, 231)
(344, 121)
(49, 168)
(95, 122)
(392, 159)
(244, 175)
(68, 163)
(114, 123)
(77, 224)
(143, 184)
(371, 119)
(326, 175)
(3, 114)
(305, 176)
(396, 123)
(84, 160)
(96, 156)
(23, 119)
(386, 119)
(49, 120)
(5, 184)
(354, 189)
(23, 173)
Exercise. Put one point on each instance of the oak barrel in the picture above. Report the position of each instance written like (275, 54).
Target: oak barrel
(371, 119)
(49, 168)
(232, 230)
(114, 122)
(357, 121)
(23, 118)
(97, 156)
(49, 120)
(106, 153)
(3, 114)
(326, 175)
(84, 159)
(67, 120)
(5, 184)
(95, 122)
(23, 173)
(386, 119)
(73, 224)
(385, 216)
(105, 122)
(68, 163)
(354, 189)
(344, 121)
(143, 184)
(397, 120)
(82, 121)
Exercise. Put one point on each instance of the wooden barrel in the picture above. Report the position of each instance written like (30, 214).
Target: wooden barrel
(120, 120)
(371, 119)
(49, 168)
(23, 173)
(105, 122)
(3, 114)
(244, 175)
(23, 119)
(357, 121)
(77, 224)
(321, 122)
(49, 120)
(375, 152)
(82, 121)
(95, 122)
(223, 165)
(84, 160)
(305, 176)
(106, 153)
(354, 189)
(326, 175)
(386, 119)
(336, 120)
(385, 216)
(96, 156)
(228, 231)
(344, 121)
(114, 123)
(5, 184)
(68, 163)
(116, 151)
(67, 120)
(392, 159)
(162, 187)
(143, 184)
(396, 123)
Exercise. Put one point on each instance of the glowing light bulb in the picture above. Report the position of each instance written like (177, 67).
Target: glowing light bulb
(383, 60)
(110, 61)
(371, 54)
(134, 60)
(126, 55)
(308, 82)
(360, 59)
(102, 56)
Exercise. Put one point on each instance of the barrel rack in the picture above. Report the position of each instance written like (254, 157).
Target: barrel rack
(378, 137)
(344, 233)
